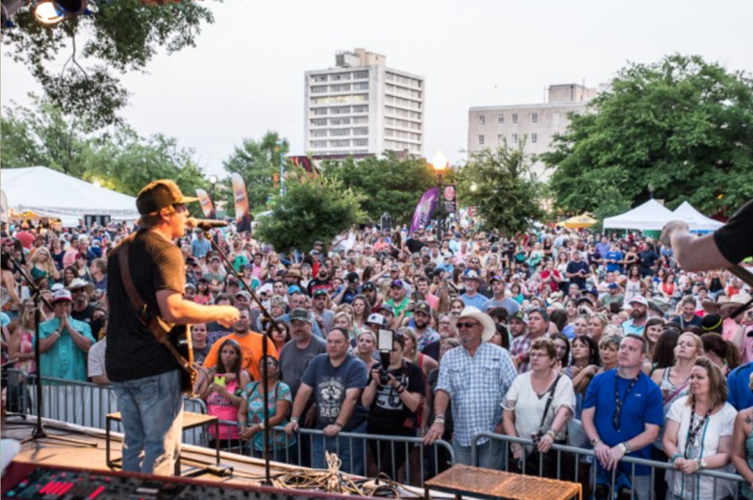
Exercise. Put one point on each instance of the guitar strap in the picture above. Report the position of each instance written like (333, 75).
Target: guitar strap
(153, 322)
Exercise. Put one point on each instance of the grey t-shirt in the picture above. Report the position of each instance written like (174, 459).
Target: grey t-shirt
(294, 361)
(509, 304)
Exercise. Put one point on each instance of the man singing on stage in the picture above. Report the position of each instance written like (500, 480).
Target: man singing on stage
(145, 376)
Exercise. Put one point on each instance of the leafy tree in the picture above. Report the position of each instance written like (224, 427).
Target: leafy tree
(313, 208)
(120, 160)
(122, 36)
(43, 136)
(683, 125)
(387, 184)
(500, 183)
(258, 162)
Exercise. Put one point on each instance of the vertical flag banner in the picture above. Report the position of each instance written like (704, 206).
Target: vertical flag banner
(242, 213)
(427, 205)
(206, 204)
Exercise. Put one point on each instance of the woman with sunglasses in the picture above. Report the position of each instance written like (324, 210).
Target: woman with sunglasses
(279, 403)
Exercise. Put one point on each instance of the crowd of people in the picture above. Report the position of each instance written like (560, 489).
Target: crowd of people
(559, 336)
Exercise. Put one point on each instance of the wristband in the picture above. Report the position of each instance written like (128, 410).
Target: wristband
(261, 425)
(675, 457)
(552, 432)
(295, 419)
(338, 425)
(401, 389)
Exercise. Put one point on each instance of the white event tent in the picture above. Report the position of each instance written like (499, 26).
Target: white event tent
(695, 219)
(50, 193)
(651, 216)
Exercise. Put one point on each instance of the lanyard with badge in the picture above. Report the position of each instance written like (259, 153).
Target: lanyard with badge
(619, 402)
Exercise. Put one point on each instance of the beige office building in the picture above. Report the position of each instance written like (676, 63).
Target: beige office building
(488, 126)
(361, 107)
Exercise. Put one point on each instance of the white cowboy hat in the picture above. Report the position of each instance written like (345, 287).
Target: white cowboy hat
(474, 312)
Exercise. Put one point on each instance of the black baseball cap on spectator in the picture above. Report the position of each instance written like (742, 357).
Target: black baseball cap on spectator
(496, 278)
(352, 278)
(319, 292)
(368, 286)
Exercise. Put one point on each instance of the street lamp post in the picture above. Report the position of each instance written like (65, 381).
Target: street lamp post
(439, 163)
(651, 191)
(213, 180)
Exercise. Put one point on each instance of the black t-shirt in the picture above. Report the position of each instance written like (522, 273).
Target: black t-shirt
(574, 267)
(432, 350)
(85, 315)
(648, 258)
(414, 245)
(316, 284)
(132, 351)
(388, 413)
(735, 238)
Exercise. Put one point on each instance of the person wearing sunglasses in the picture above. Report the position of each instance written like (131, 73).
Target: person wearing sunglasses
(476, 379)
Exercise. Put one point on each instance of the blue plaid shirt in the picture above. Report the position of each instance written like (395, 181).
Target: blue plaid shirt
(476, 386)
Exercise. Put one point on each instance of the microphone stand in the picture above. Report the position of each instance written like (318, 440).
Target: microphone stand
(39, 431)
(267, 335)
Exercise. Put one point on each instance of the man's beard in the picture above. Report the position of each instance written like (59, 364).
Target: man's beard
(420, 325)
(635, 314)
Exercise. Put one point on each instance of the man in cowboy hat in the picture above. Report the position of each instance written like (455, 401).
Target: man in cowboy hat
(475, 378)
(81, 294)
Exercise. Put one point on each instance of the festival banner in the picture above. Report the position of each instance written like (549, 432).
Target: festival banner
(242, 213)
(206, 204)
(427, 205)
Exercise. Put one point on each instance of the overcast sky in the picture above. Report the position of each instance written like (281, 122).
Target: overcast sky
(245, 75)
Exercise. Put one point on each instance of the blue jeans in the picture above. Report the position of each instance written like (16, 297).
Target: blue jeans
(488, 455)
(151, 409)
(350, 451)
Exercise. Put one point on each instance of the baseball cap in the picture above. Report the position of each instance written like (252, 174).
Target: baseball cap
(243, 293)
(613, 286)
(423, 307)
(189, 285)
(396, 283)
(521, 316)
(376, 319)
(352, 278)
(472, 275)
(639, 300)
(368, 286)
(319, 292)
(496, 278)
(294, 289)
(61, 296)
(160, 194)
(299, 315)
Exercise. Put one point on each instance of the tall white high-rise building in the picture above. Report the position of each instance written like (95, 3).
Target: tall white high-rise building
(361, 107)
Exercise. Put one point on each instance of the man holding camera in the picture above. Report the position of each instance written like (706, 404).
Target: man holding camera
(393, 396)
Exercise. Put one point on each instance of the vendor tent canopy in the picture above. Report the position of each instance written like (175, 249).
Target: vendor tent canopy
(49, 193)
(651, 216)
(695, 219)
(579, 222)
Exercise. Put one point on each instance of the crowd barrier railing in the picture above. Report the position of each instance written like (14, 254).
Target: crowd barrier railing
(79, 403)
(417, 461)
(585, 460)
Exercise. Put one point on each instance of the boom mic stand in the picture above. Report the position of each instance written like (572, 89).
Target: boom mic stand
(39, 431)
(267, 335)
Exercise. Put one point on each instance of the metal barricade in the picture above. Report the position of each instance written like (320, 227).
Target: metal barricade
(583, 463)
(80, 403)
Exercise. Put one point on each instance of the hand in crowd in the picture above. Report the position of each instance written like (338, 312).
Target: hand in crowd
(291, 427)
(435, 432)
(545, 443)
(686, 465)
(331, 430)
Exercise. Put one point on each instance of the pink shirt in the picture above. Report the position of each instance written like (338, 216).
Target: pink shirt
(223, 409)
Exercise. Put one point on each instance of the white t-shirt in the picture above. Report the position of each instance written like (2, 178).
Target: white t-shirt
(97, 359)
(718, 425)
(529, 408)
(632, 289)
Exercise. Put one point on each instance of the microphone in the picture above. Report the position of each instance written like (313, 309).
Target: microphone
(204, 224)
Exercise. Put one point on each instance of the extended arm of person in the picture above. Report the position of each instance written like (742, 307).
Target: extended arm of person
(738, 452)
(174, 309)
(304, 393)
(691, 252)
(441, 400)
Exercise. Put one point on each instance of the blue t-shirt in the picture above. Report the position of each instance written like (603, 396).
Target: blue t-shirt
(477, 300)
(643, 405)
(330, 385)
(611, 266)
(573, 268)
(739, 394)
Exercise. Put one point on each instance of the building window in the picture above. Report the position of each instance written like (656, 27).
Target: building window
(318, 123)
(481, 140)
(360, 74)
(360, 109)
(515, 118)
(481, 120)
(320, 111)
(501, 138)
(318, 144)
(534, 117)
(340, 132)
(515, 137)
(501, 119)
(534, 138)
(361, 131)
(361, 142)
